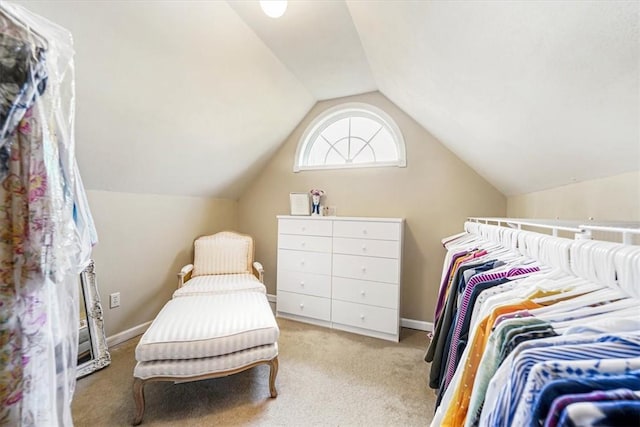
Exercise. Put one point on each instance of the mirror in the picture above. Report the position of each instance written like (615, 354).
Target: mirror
(92, 343)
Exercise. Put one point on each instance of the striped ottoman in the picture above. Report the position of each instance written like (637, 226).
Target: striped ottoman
(206, 336)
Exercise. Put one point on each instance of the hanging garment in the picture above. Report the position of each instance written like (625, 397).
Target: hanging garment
(618, 413)
(23, 78)
(559, 404)
(437, 347)
(499, 397)
(497, 377)
(24, 228)
(490, 360)
(493, 278)
(543, 372)
(511, 403)
(41, 243)
(457, 412)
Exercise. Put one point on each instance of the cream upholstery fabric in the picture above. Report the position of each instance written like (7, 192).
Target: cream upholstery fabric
(205, 326)
(220, 284)
(206, 365)
(223, 253)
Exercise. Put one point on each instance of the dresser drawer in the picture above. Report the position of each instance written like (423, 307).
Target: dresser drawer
(365, 316)
(304, 283)
(366, 268)
(367, 230)
(307, 227)
(379, 248)
(304, 305)
(304, 243)
(364, 292)
(308, 262)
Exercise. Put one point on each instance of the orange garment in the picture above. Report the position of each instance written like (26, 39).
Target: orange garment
(457, 410)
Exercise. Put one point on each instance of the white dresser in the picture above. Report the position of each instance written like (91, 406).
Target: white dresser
(341, 272)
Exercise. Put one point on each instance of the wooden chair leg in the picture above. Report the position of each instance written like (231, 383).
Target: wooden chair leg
(138, 397)
(272, 376)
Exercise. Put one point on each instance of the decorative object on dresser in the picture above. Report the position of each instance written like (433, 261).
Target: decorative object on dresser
(299, 203)
(316, 196)
(342, 273)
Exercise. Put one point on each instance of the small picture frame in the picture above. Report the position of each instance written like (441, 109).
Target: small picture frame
(299, 203)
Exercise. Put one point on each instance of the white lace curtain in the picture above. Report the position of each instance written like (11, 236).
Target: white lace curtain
(46, 230)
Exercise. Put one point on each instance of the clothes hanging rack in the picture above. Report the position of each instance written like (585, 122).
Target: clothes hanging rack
(601, 260)
(627, 231)
(613, 264)
(582, 230)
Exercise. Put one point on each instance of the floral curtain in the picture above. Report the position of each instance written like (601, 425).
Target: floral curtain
(46, 231)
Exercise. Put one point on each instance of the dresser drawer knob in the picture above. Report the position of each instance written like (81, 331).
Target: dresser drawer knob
(364, 269)
(302, 262)
(302, 284)
(301, 306)
(362, 293)
(304, 228)
(364, 231)
(364, 248)
(302, 244)
(362, 316)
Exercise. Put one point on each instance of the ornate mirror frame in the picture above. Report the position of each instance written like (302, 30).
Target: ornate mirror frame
(100, 353)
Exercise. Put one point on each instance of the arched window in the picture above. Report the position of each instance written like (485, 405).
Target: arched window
(350, 136)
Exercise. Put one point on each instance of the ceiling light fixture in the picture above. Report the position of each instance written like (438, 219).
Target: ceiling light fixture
(273, 8)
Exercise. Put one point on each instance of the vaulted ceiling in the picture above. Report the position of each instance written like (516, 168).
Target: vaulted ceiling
(193, 98)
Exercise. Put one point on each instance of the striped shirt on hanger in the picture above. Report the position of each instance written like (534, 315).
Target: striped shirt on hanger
(511, 406)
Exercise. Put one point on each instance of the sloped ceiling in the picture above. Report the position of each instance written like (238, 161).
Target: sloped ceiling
(193, 98)
(175, 98)
(532, 95)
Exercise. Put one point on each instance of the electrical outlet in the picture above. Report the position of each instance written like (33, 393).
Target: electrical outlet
(114, 300)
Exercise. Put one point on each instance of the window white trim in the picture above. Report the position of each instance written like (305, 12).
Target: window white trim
(333, 114)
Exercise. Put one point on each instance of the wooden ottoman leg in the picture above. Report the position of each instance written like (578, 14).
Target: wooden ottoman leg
(273, 363)
(138, 396)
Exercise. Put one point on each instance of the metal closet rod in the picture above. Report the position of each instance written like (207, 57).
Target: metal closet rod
(583, 230)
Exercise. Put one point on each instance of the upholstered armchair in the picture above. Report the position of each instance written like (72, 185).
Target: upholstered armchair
(218, 323)
(222, 263)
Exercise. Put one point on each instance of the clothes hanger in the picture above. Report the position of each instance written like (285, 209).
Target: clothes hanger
(594, 260)
(621, 323)
(461, 240)
(583, 305)
(627, 267)
(562, 326)
(555, 252)
(574, 284)
(569, 289)
(450, 239)
(545, 280)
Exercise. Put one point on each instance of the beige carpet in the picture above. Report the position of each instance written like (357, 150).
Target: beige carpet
(326, 378)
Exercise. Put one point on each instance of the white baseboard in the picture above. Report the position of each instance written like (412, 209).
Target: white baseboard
(417, 324)
(123, 336)
(405, 323)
